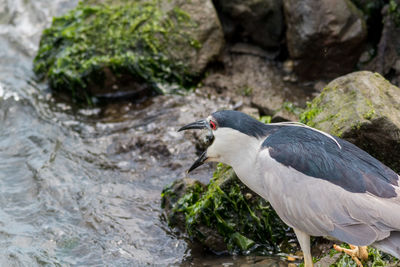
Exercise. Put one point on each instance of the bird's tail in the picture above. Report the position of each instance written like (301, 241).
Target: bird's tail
(390, 245)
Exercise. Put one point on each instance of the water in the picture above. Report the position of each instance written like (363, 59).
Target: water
(82, 186)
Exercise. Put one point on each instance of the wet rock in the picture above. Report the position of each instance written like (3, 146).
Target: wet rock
(147, 46)
(387, 58)
(254, 81)
(323, 37)
(363, 108)
(258, 21)
(225, 216)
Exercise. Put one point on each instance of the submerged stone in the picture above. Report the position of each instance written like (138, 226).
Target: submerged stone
(120, 47)
(226, 215)
(363, 108)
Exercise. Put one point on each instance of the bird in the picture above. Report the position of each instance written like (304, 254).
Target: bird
(318, 184)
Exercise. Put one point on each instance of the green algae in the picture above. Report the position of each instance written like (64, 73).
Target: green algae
(312, 110)
(370, 114)
(292, 108)
(265, 119)
(245, 221)
(126, 38)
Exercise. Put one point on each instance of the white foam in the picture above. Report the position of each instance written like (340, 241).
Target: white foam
(4, 94)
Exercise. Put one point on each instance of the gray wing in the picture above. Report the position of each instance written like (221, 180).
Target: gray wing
(330, 158)
(320, 208)
(327, 190)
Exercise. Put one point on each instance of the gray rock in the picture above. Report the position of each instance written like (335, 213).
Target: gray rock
(258, 21)
(207, 31)
(363, 108)
(324, 37)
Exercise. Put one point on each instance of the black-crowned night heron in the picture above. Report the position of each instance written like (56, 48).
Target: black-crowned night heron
(318, 184)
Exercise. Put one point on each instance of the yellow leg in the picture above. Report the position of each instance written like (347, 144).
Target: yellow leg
(304, 241)
(355, 252)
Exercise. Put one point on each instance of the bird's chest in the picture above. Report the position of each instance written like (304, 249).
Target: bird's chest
(251, 176)
(259, 175)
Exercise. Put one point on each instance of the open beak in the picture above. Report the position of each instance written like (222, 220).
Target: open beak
(200, 161)
(201, 124)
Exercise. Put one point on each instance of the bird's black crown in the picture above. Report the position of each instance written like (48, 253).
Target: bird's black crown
(241, 122)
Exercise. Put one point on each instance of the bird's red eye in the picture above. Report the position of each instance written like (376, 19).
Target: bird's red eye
(213, 125)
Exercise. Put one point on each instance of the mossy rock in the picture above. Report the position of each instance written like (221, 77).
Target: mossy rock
(123, 46)
(364, 108)
(227, 216)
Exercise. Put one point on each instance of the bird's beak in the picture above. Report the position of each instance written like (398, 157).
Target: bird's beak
(198, 162)
(201, 124)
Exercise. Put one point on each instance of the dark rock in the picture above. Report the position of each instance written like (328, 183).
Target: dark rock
(371, 10)
(324, 37)
(258, 21)
(387, 59)
(363, 108)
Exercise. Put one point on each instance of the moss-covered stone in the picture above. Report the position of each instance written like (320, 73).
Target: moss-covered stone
(118, 45)
(363, 108)
(230, 215)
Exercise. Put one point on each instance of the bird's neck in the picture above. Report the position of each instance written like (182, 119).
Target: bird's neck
(244, 162)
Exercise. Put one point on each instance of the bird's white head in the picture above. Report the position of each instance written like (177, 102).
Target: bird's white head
(232, 138)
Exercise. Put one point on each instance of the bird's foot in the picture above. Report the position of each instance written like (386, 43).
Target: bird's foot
(355, 252)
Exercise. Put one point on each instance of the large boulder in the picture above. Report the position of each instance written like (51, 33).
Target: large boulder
(258, 21)
(324, 37)
(114, 47)
(364, 108)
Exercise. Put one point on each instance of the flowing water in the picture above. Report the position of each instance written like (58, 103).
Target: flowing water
(82, 186)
